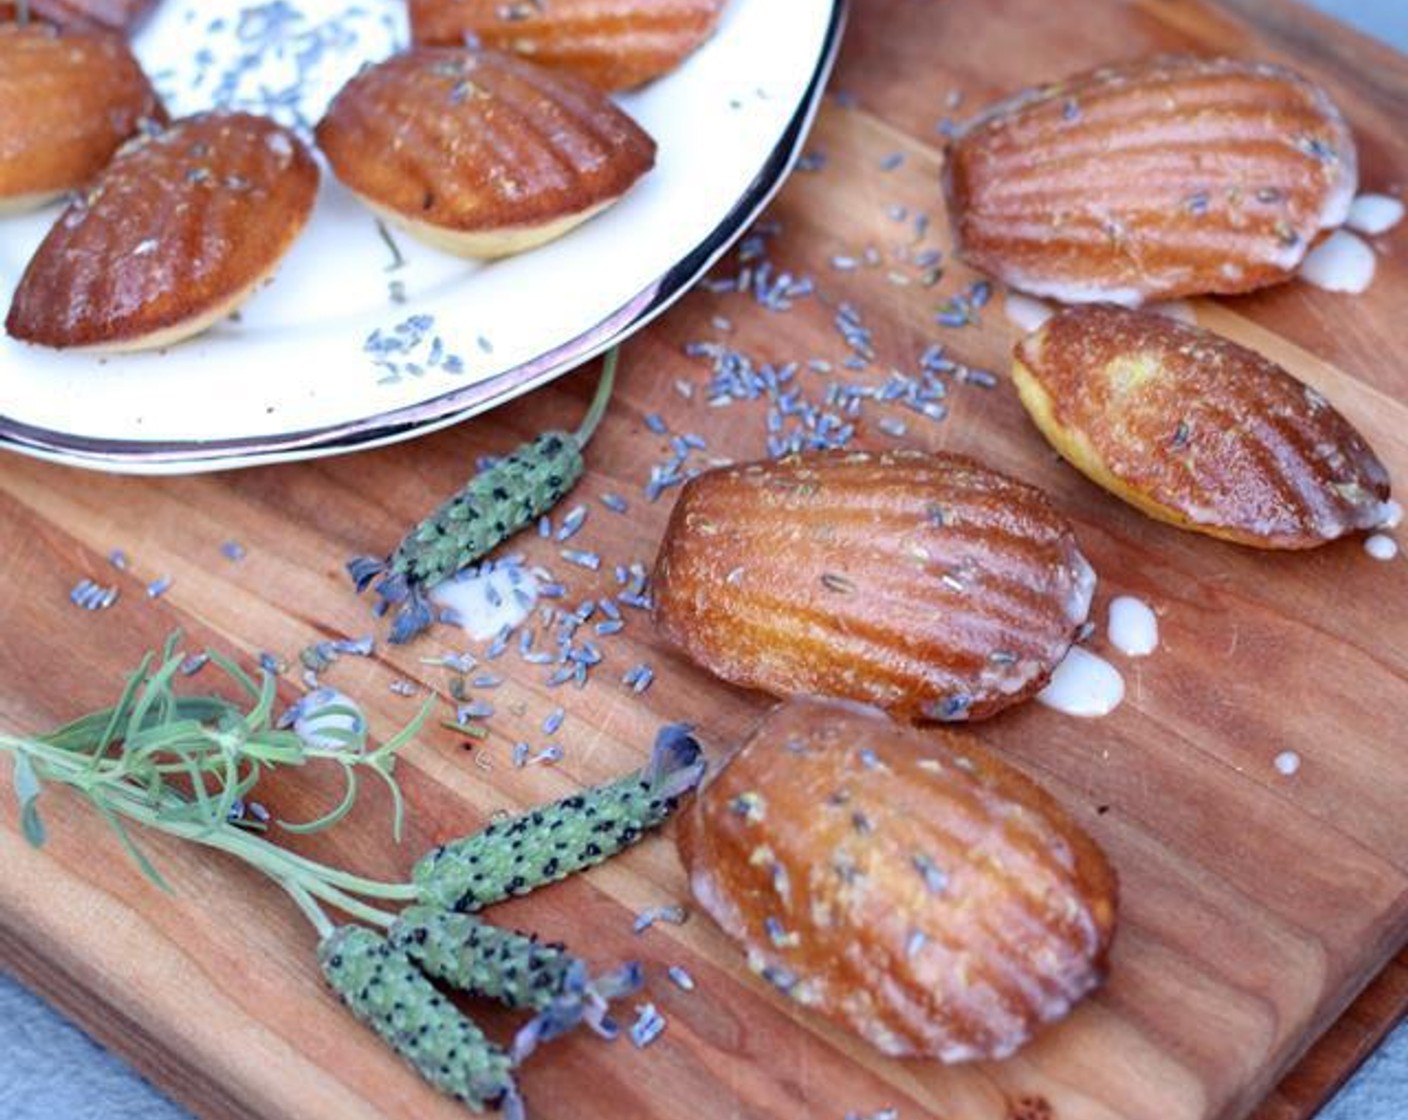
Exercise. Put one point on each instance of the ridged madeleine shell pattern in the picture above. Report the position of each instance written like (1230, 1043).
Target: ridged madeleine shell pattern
(1168, 177)
(1198, 431)
(67, 102)
(121, 16)
(925, 584)
(903, 883)
(474, 141)
(614, 44)
(179, 227)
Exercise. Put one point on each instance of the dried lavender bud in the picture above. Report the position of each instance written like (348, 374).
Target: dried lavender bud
(518, 855)
(493, 506)
(516, 969)
(387, 992)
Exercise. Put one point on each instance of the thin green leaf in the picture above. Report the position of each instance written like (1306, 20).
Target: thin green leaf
(172, 643)
(258, 716)
(331, 818)
(405, 735)
(202, 795)
(345, 740)
(398, 802)
(119, 710)
(171, 649)
(229, 784)
(157, 686)
(276, 747)
(27, 789)
(148, 869)
(235, 673)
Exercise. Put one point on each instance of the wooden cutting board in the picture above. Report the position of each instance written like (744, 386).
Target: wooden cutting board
(1256, 905)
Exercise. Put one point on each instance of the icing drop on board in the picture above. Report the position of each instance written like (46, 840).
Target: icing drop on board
(1343, 262)
(1133, 627)
(485, 600)
(1083, 685)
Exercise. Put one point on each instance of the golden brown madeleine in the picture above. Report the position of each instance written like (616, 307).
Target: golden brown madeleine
(122, 16)
(925, 584)
(176, 233)
(614, 44)
(1171, 176)
(903, 883)
(479, 153)
(1198, 431)
(67, 102)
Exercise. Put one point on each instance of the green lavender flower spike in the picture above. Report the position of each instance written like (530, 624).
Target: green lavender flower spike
(491, 508)
(385, 990)
(516, 969)
(519, 855)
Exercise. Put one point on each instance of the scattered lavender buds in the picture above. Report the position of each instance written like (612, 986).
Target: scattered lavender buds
(674, 914)
(649, 1025)
(91, 596)
(680, 977)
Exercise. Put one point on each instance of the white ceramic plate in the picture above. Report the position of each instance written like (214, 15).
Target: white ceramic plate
(296, 375)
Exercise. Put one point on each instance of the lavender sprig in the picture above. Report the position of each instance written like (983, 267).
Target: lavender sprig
(493, 506)
(185, 765)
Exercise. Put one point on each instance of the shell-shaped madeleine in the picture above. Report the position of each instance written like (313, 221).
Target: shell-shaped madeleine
(1197, 431)
(480, 153)
(67, 102)
(924, 584)
(175, 234)
(121, 16)
(614, 44)
(902, 882)
(1168, 177)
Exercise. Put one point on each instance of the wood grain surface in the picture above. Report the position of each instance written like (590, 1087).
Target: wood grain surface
(1256, 906)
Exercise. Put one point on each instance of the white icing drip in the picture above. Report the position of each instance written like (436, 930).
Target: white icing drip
(1026, 312)
(1374, 214)
(1390, 514)
(1179, 310)
(1070, 291)
(1133, 626)
(1346, 186)
(1287, 763)
(1381, 547)
(1083, 591)
(485, 600)
(1083, 685)
(1342, 262)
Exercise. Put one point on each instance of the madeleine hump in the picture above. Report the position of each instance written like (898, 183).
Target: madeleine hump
(614, 44)
(1197, 431)
(478, 153)
(902, 882)
(120, 16)
(179, 230)
(922, 583)
(67, 103)
(1172, 176)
